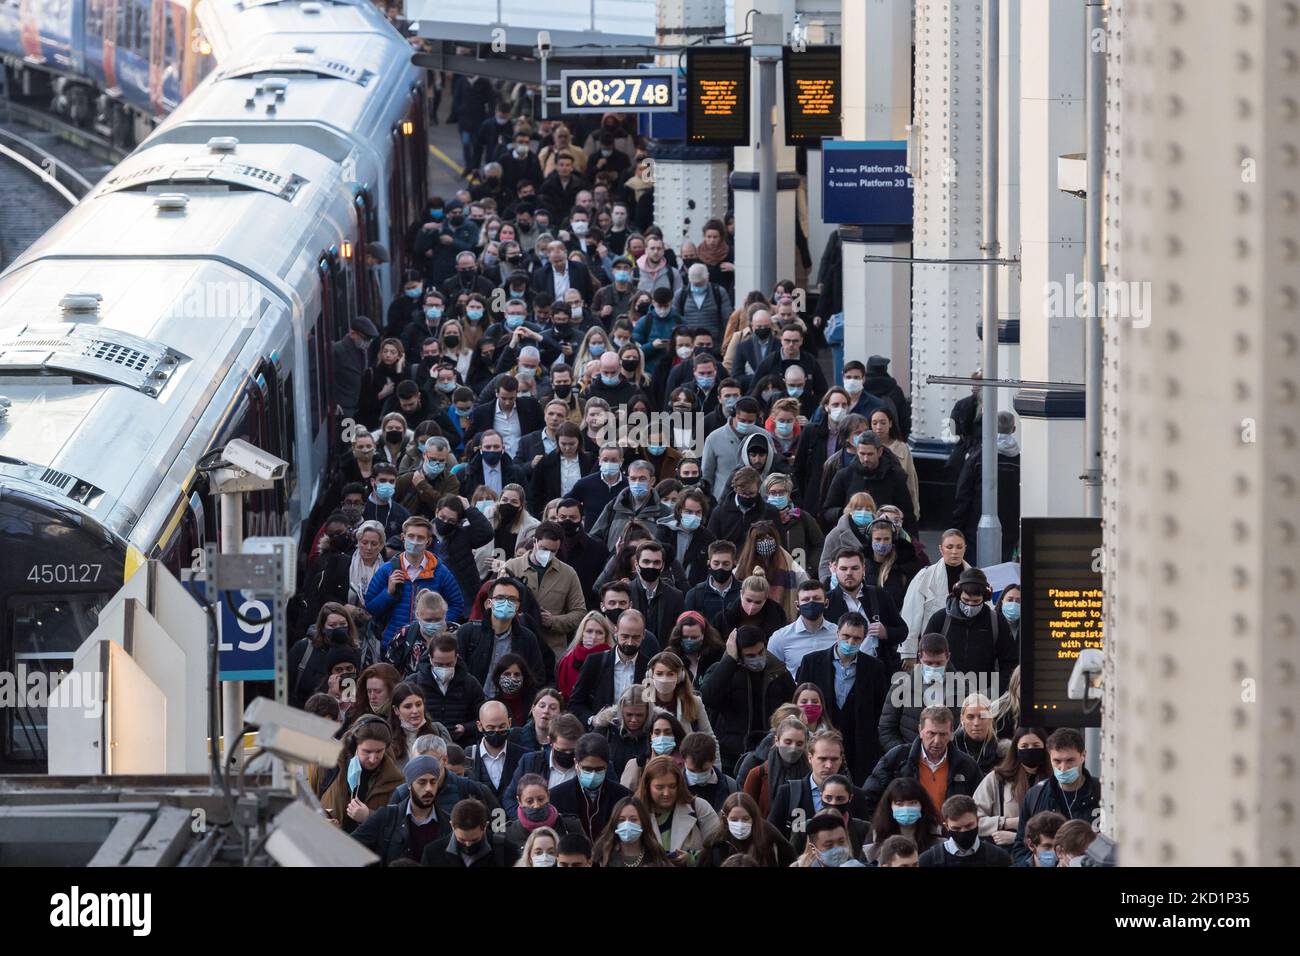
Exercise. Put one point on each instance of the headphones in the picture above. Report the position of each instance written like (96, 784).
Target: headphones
(957, 589)
(350, 738)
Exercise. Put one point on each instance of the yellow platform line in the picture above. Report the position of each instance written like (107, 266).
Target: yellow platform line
(454, 166)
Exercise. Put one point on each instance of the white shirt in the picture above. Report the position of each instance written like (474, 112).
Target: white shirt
(493, 765)
(558, 776)
(561, 282)
(951, 846)
(796, 640)
(933, 764)
(570, 472)
(508, 426)
(624, 673)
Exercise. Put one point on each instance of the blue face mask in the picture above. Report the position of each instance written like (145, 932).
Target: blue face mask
(596, 349)
(413, 293)
(473, 314)
(780, 502)
(516, 293)
(622, 275)
(907, 816)
(610, 380)
(698, 778)
(744, 428)
(1067, 777)
(639, 489)
(663, 745)
(514, 321)
(794, 391)
(503, 609)
(434, 468)
(384, 491)
(413, 549)
(609, 469)
(690, 522)
(1011, 610)
(704, 381)
(433, 312)
(446, 387)
(430, 628)
(729, 402)
(836, 856)
(628, 831)
(785, 429)
(435, 215)
(354, 773)
(692, 644)
(931, 675)
(489, 259)
(1047, 858)
(862, 518)
(849, 649)
(881, 548)
(699, 288)
(656, 449)
(591, 779)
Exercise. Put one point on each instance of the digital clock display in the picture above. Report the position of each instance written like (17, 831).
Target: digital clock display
(633, 91)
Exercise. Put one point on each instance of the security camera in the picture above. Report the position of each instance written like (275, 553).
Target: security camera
(1085, 679)
(251, 459)
(544, 42)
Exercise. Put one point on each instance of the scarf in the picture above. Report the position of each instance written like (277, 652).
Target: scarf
(648, 272)
(530, 826)
(711, 255)
(779, 772)
(360, 573)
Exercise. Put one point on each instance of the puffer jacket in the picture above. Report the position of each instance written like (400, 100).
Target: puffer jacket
(394, 611)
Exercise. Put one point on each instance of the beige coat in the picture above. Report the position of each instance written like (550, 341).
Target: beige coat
(692, 826)
(559, 592)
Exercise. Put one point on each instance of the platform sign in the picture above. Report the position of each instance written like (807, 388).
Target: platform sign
(1060, 614)
(866, 183)
(624, 91)
(245, 648)
(717, 97)
(813, 83)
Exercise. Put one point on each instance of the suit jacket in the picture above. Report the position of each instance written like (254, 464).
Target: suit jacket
(595, 687)
(473, 475)
(747, 359)
(895, 627)
(475, 771)
(579, 278)
(786, 811)
(859, 722)
(484, 417)
(661, 613)
(475, 641)
(546, 477)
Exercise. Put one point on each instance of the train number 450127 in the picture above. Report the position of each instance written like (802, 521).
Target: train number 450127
(64, 573)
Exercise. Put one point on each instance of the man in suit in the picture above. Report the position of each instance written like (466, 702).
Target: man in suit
(554, 763)
(605, 676)
(510, 415)
(492, 761)
(560, 274)
(659, 603)
(752, 351)
(886, 629)
(490, 466)
(536, 445)
(855, 688)
(592, 794)
(561, 469)
(561, 187)
(799, 800)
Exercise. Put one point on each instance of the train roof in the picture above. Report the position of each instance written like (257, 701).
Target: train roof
(234, 26)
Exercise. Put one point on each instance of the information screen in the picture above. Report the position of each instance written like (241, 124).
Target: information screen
(812, 94)
(717, 87)
(630, 91)
(1061, 614)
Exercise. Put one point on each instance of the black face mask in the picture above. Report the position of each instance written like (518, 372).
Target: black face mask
(495, 738)
(563, 331)
(340, 542)
(630, 365)
(336, 635)
(564, 759)
(392, 437)
(720, 575)
(561, 391)
(650, 574)
(689, 482)
(571, 528)
(515, 259)
(430, 361)
(642, 308)
(467, 274)
(444, 527)
(507, 512)
(455, 220)
(965, 839)
(489, 358)
(612, 615)
(452, 341)
(763, 334)
(1032, 757)
(493, 458)
(747, 501)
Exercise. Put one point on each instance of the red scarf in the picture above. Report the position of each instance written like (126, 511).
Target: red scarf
(530, 826)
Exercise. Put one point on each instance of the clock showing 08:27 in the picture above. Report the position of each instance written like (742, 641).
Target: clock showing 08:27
(599, 91)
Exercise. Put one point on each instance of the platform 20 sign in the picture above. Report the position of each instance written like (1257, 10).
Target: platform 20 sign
(635, 91)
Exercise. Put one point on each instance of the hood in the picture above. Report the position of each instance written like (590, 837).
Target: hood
(623, 502)
(758, 436)
(1007, 445)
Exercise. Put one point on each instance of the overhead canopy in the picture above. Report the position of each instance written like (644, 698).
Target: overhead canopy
(570, 22)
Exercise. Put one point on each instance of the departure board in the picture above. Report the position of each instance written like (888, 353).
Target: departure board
(1061, 614)
(717, 87)
(812, 94)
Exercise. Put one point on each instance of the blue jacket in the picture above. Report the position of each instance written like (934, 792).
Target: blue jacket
(396, 611)
(650, 327)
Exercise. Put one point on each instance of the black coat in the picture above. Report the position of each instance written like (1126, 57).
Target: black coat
(568, 801)
(595, 687)
(967, 503)
(457, 552)
(474, 769)
(808, 461)
(459, 705)
(988, 854)
(793, 803)
(327, 580)
(883, 386)
(473, 477)
(1048, 795)
(875, 603)
(696, 559)
(730, 522)
(484, 418)
(623, 747)
(545, 484)
(963, 775)
(771, 618)
(887, 486)
(661, 613)
(587, 556)
(386, 830)
(709, 602)
(728, 692)
(859, 722)
(443, 853)
(594, 494)
(579, 278)
(982, 644)
(476, 638)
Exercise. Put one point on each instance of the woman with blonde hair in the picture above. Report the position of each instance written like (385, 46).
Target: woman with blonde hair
(594, 635)
(753, 607)
(668, 687)
(540, 849)
(1006, 709)
(851, 531)
(594, 344)
(763, 550)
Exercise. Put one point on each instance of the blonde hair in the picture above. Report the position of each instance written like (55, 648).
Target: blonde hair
(861, 500)
(606, 628)
(790, 405)
(757, 582)
(526, 857)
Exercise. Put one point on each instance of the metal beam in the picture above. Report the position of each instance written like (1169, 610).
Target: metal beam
(1004, 383)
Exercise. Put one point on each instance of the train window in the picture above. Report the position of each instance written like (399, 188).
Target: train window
(288, 430)
(45, 635)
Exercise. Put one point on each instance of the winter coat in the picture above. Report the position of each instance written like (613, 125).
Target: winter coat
(926, 594)
(903, 761)
(982, 643)
(727, 692)
(622, 509)
(395, 611)
(887, 485)
(459, 704)
(456, 551)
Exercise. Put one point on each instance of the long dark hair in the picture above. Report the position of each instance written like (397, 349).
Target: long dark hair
(608, 840)
(1010, 768)
(529, 687)
(905, 789)
(759, 845)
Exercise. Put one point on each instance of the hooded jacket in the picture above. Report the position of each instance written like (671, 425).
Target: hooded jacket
(728, 693)
(982, 643)
(395, 611)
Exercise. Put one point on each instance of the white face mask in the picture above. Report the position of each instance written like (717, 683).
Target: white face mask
(544, 859)
(853, 385)
(739, 829)
(544, 557)
(665, 685)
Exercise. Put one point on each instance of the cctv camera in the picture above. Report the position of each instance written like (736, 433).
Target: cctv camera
(251, 459)
(544, 41)
(1085, 679)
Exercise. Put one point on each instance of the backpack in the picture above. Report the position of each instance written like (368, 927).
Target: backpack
(993, 627)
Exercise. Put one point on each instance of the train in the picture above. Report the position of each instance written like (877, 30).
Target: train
(193, 297)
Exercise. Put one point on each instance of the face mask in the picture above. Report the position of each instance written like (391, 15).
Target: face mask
(690, 522)
(740, 829)
(698, 778)
(384, 491)
(853, 385)
(762, 334)
(785, 429)
(765, 546)
(393, 436)
(970, 610)
(486, 508)
(744, 428)
(837, 414)
(543, 557)
(444, 674)
(720, 575)
(663, 745)
(521, 151)
(882, 548)
(473, 315)
(656, 450)
(692, 645)
(628, 831)
(492, 458)
(510, 685)
(354, 773)
(1047, 858)
(794, 391)
(514, 321)
(452, 341)
(526, 374)
(689, 481)
(591, 779)
(618, 217)
(755, 664)
(661, 312)
(430, 628)
(516, 294)
(413, 293)
(564, 759)
(1067, 777)
(435, 215)
(790, 755)
(811, 712)
(620, 342)
(965, 839)
(503, 609)
(747, 501)
(337, 635)
(639, 488)
(455, 219)
(446, 387)
(665, 685)
(849, 649)
(445, 528)
(580, 228)
(537, 814)
(433, 312)
(630, 365)
(836, 856)
(611, 380)
(489, 259)
(1032, 757)
(1011, 610)
(544, 859)
(862, 518)
(931, 675)
(906, 816)
(622, 275)
(812, 610)
(609, 469)
(770, 396)
(705, 382)
(434, 468)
